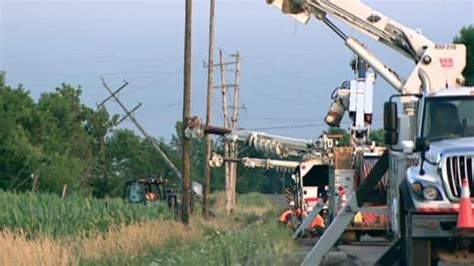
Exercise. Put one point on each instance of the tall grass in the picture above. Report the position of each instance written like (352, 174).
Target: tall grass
(224, 240)
(131, 235)
(49, 215)
(249, 246)
(16, 249)
(254, 199)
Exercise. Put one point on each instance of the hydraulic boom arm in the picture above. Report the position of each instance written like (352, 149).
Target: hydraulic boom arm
(442, 63)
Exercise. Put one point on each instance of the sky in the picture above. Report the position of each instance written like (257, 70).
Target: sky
(288, 70)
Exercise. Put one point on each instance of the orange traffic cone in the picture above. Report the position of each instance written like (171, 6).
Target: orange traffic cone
(465, 219)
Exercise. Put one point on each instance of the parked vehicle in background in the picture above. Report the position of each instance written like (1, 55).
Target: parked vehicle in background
(151, 191)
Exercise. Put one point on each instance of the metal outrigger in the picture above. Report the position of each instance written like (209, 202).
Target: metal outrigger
(345, 214)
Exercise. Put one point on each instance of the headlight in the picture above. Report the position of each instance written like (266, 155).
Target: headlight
(430, 193)
(416, 187)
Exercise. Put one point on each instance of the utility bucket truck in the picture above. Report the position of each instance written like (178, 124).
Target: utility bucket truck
(310, 175)
(430, 160)
(318, 180)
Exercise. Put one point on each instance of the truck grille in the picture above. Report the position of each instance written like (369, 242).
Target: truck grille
(458, 168)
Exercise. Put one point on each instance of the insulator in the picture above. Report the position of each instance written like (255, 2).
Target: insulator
(252, 140)
(216, 161)
(268, 146)
(260, 145)
(279, 149)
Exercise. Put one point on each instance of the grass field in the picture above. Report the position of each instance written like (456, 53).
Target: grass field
(111, 233)
(49, 215)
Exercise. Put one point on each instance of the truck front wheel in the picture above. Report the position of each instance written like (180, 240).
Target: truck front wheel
(415, 251)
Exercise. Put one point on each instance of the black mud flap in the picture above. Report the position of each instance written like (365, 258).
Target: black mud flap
(406, 196)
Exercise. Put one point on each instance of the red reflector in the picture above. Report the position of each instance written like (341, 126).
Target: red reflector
(368, 118)
(303, 167)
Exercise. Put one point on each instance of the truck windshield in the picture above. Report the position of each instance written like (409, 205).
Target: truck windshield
(448, 117)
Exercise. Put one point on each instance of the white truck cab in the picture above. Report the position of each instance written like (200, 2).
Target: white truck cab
(446, 126)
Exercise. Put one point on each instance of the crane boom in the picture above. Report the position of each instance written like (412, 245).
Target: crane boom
(442, 63)
(374, 24)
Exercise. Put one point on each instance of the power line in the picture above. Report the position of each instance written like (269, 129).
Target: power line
(302, 126)
(127, 59)
(293, 126)
(155, 74)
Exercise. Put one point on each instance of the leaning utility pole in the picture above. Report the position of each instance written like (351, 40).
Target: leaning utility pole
(129, 114)
(208, 140)
(185, 200)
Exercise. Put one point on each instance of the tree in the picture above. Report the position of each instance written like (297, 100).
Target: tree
(58, 138)
(65, 142)
(71, 135)
(377, 136)
(466, 37)
(19, 155)
(346, 137)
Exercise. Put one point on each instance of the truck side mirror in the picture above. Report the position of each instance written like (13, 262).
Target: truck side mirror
(391, 137)
(422, 144)
(390, 123)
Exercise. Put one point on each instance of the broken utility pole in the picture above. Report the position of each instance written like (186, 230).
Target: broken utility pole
(210, 83)
(186, 188)
(129, 114)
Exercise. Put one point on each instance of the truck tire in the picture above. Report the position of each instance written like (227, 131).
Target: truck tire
(415, 251)
(421, 252)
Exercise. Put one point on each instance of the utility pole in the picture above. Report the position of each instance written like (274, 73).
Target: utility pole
(210, 83)
(129, 114)
(223, 69)
(186, 184)
(235, 117)
(230, 150)
(228, 193)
